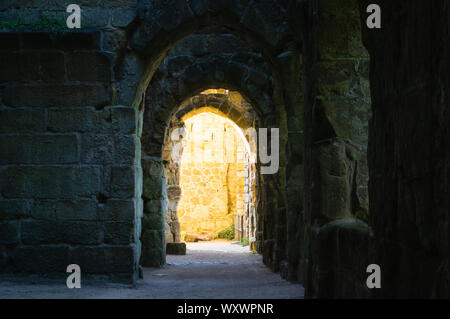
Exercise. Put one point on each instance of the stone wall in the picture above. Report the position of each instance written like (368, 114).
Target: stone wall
(110, 16)
(406, 228)
(300, 65)
(69, 163)
(126, 57)
(408, 149)
(337, 113)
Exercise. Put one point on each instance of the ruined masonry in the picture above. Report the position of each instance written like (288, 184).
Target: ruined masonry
(86, 175)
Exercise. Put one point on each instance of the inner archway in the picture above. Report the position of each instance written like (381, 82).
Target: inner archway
(210, 168)
(214, 167)
(175, 89)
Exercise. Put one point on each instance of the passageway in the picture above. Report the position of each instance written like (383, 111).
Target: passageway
(209, 160)
(215, 269)
(218, 269)
(213, 171)
(211, 185)
(362, 170)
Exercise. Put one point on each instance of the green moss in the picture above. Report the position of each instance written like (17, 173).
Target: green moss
(44, 23)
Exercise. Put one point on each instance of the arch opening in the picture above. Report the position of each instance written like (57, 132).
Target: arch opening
(210, 168)
(182, 74)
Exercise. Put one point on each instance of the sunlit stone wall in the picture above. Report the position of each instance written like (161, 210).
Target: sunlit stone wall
(212, 177)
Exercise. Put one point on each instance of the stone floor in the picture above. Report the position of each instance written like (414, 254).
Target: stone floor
(218, 269)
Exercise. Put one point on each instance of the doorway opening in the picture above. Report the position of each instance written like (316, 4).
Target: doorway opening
(210, 168)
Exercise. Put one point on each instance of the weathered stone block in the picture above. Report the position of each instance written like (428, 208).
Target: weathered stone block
(22, 120)
(88, 66)
(90, 259)
(9, 232)
(119, 210)
(123, 181)
(126, 149)
(38, 149)
(176, 248)
(72, 210)
(342, 251)
(122, 17)
(50, 182)
(95, 18)
(124, 119)
(34, 232)
(153, 254)
(97, 149)
(334, 200)
(119, 233)
(44, 210)
(41, 259)
(152, 187)
(114, 40)
(153, 221)
(172, 18)
(57, 95)
(14, 209)
(86, 119)
(152, 166)
(154, 206)
(120, 259)
(193, 238)
(82, 233)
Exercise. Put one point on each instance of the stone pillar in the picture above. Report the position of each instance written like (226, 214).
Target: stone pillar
(337, 112)
(172, 153)
(409, 147)
(290, 64)
(153, 224)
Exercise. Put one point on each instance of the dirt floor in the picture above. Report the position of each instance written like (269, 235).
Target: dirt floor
(217, 269)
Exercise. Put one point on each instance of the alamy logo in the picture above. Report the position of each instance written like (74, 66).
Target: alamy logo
(264, 157)
(74, 279)
(270, 162)
(374, 279)
(374, 19)
(74, 19)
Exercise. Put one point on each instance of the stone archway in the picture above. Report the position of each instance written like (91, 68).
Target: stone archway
(230, 106)
(74, 138)
(171, 85)
(158, 28)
